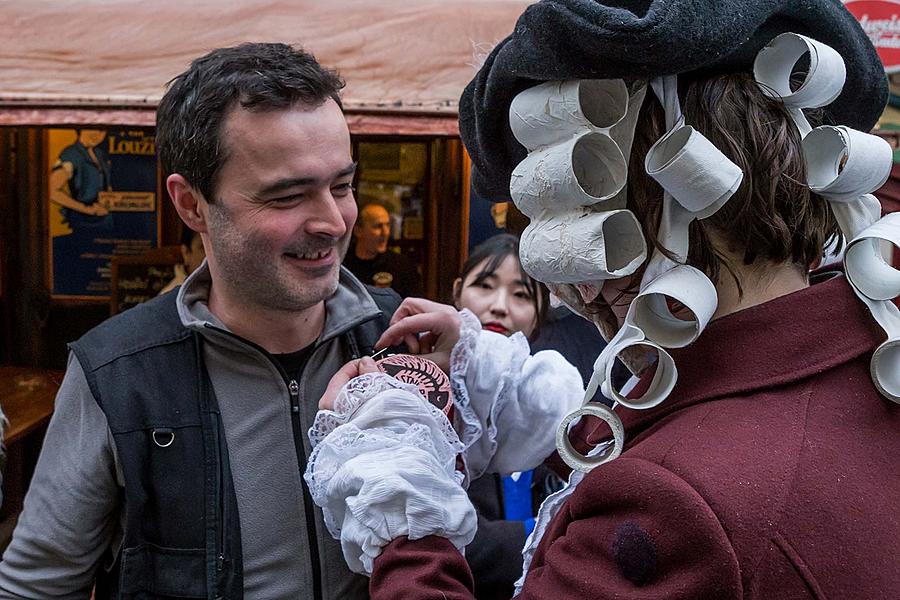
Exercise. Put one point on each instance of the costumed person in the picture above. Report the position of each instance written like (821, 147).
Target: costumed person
(680, 184)
(506, 300)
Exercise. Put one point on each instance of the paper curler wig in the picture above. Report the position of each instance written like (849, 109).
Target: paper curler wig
(553, 111)
(630, 39)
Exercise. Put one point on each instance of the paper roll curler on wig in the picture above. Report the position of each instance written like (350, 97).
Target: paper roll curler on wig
(569, 84)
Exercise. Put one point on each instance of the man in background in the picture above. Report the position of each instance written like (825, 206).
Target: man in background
(192, 255)
(370, 260)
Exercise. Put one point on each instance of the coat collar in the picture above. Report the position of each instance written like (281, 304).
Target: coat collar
(770, 345)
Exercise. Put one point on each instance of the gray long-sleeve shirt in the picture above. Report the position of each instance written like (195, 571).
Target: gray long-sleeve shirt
(74, 508)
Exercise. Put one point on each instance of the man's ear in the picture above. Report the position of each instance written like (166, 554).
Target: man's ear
(189, 203)
(457, 291)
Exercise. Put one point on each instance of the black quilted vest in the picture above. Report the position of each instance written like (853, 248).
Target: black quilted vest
(182, 535)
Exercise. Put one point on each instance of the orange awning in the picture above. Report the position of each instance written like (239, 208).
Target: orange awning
(107, 61)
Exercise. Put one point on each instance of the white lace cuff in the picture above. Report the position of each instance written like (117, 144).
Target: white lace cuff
(517, 399)
(541, 393)
(384, 465)
(468, 423)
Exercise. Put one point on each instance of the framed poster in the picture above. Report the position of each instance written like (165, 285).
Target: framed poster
(136, 279)
(102, 201)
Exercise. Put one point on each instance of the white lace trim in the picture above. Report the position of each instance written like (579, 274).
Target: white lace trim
(400, 432)
(383, 465)
(348, 441)
(462, 353)
(548, 510)
(507, 391)
(353, 395)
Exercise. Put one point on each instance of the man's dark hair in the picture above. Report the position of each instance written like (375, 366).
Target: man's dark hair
(254, 76)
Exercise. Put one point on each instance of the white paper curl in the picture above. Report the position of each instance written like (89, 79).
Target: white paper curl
(824, 80)
(689, 287)
(583, 171)
(664, 377)
(555, 111)
(575, 459)
(865, 264)
(696, 173)
(843, 164)
(885, 369)
(885, 364)
(582, 245)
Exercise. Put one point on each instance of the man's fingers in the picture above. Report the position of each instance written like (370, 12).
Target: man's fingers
(352, 369)
(348, 371)
(436, 323)
(326, 402)
(367, 365)
(416, 306)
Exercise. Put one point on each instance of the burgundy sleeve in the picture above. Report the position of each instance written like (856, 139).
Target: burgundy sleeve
(631, 531)
(420, 570)
(634, 530)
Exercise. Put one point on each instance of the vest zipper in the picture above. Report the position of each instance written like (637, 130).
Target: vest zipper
(308, 510)
(294, 392)
(220, 498)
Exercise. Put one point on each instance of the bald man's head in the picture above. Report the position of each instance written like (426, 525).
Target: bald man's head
(372, 231)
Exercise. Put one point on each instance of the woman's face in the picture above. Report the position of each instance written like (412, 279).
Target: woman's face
(501, 300)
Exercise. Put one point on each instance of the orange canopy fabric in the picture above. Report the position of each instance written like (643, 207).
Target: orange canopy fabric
(109, 60)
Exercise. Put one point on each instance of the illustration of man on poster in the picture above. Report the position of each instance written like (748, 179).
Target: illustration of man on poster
(102, 193)
(78, 176)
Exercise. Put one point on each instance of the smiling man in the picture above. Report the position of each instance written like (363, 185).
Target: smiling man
(172, 466)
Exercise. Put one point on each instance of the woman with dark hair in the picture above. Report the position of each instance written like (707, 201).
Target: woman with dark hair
(495, 287)
(506, 300)
(755, 457)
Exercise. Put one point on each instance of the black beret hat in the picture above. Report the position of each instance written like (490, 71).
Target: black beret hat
(583, 39)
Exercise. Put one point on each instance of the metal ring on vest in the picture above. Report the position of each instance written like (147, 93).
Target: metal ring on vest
(167, 442)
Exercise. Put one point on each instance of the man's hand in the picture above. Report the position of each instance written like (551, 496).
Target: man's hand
(97, 210)
(427, 328)
(352, 369)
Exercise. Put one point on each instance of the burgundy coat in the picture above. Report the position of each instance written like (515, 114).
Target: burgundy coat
(772, 471)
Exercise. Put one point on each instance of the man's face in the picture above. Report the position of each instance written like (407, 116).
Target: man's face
(280, 222)
(91, 137)
(372, 231)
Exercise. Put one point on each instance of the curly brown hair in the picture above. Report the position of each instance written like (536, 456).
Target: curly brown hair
(773, 218)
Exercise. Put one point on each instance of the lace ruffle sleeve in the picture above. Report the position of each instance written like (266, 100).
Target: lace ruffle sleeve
(517, 399)
(383, 466)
